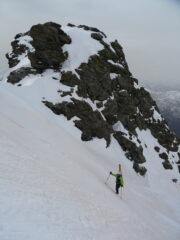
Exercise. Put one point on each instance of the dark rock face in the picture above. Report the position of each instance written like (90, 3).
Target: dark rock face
(97, 36)
(164, 156)
(92, 29)
(42, 60)
(165, 137)
(48, 35)
(95, 81)
(86, 116)
(48, 40)
(139, 169)
(69, 79)
(17, 49)
(18, 75)
(132, 152)
(167, 165)
(124, 106)
(104, 81)
(157, 149)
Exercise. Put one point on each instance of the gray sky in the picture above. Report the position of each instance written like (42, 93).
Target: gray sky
(148, 30)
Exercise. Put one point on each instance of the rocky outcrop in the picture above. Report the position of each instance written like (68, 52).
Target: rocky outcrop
(17, 75)
(167, 165)
(69, 79)
(132, 151)
(95, 81)
(48, 40)
(92, 29)
(90, 122)
(17, 49)
(139, 169)
(101, 92)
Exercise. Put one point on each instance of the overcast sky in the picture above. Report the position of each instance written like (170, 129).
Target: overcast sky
(148, 30)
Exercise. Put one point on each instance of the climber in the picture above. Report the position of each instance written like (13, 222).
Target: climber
(119, 179)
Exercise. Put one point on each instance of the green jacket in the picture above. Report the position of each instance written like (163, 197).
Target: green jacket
(119, 178)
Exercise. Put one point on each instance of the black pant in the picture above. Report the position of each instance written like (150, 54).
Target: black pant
(118, 185)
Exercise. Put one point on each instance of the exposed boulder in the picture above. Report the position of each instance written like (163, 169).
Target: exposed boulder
(42, 60)
(48, 40)
(97, 36)
(139, 169)
(175, 180)
(163, 156)
(92, 29)
(157, 149)
(167, 165)
(17, 75)
(48, 36)
(71, 25)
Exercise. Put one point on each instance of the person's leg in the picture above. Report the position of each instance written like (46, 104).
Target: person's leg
(117, 188)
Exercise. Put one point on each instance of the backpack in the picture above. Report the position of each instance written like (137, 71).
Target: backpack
(119, 179)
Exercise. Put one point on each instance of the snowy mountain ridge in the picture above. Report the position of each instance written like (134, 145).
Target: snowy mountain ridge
(55, 179)
(168, 103)
(96, 90)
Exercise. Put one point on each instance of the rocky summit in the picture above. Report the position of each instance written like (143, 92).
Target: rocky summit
(96, 89)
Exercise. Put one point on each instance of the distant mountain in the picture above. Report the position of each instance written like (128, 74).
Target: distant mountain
(169, 105)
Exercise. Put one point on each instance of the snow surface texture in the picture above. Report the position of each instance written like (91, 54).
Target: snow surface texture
(53, 184)
(80, 49)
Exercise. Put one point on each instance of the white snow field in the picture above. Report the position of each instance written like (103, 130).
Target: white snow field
(52, 185)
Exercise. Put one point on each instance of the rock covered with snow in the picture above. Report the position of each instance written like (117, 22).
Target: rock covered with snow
(96, 90)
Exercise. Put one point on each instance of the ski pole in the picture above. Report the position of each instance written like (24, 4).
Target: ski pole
(121, 192)
(107, 178)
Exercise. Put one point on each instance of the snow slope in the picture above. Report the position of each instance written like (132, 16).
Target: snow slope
(53, 184)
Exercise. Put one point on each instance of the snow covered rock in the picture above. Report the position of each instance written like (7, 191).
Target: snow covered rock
(43, 45)
(95, 89)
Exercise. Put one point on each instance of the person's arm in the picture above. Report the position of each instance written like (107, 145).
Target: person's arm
(113, 174)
